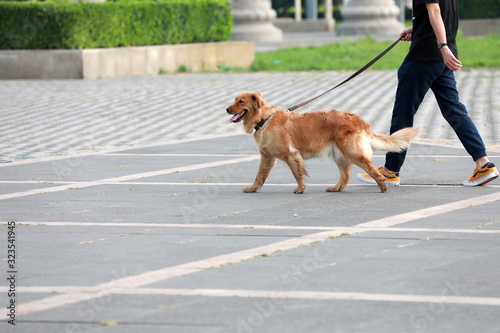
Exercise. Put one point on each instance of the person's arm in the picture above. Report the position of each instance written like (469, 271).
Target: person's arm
(439, 30)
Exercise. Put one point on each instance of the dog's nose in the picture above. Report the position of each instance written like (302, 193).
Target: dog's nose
(228, 110)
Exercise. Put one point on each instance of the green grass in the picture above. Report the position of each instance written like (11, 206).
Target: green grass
(479, 52)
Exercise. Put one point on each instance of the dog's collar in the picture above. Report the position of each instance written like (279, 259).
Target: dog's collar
(261, 123)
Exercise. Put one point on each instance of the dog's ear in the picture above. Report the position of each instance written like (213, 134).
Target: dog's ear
(257, 100)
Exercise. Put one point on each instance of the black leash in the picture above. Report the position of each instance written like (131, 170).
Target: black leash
(295, 107)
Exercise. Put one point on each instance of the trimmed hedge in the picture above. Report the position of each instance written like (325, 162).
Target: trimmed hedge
(78, 25)
(474, 9)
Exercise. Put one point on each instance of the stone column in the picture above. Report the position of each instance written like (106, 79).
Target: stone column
(298, 10)
(371, 17)
(253, 21)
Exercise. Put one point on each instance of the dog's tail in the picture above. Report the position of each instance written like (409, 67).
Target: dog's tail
(395, 143)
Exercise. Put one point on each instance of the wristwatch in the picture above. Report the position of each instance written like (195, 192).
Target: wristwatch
(441, 45)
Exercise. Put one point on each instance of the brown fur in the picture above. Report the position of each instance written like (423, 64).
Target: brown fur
(294, 137)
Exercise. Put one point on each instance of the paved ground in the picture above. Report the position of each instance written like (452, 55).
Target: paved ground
(41, 118)
(129, 215)
(162, 239)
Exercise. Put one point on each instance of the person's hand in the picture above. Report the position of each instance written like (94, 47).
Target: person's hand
(406, 34)
(450, 60)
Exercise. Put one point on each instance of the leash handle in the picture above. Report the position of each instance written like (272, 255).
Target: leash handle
(361, 70)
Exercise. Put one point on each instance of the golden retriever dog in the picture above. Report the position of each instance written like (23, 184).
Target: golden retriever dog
(295, 137)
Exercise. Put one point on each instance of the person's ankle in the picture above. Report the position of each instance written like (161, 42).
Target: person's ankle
(389, 171)
(482, 161)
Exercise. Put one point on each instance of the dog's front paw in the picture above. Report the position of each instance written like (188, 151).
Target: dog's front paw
(334, 189)
(298, 190)
(383, 188)
(249, 189)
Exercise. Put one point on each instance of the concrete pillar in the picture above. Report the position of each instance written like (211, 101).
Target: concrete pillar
(253, 21)
(371, 17)
(312, 9)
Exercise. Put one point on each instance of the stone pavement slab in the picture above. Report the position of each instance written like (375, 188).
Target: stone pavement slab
(161, 238)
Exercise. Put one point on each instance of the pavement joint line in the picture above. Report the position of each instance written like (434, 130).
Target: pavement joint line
(251, 226)
(179, 141)
(445, 145)
(242, 155)
(280, 185)
(180, 155)
(431, 211)
(180, 169)
(101, 182)
(136, 281)
(277, 294)
(110, 151)
(140, 280)
(436, 156)
(46, 190)
(127, 177)
(319, 295)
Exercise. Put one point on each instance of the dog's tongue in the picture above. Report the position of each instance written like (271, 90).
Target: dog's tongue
(234, 118)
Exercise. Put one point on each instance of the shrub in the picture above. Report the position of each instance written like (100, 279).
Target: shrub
(469, 9)
(77, 25)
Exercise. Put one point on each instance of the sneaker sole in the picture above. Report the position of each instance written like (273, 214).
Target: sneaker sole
(483, 180)
(373, 182)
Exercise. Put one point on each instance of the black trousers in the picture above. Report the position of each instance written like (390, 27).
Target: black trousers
(415, 79)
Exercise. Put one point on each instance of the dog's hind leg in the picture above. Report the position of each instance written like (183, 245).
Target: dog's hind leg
(296, 164)
(266, 165)
(344, 168)
(360, 153)
(367, 165)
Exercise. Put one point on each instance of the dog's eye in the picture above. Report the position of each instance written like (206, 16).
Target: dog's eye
(241, 101)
